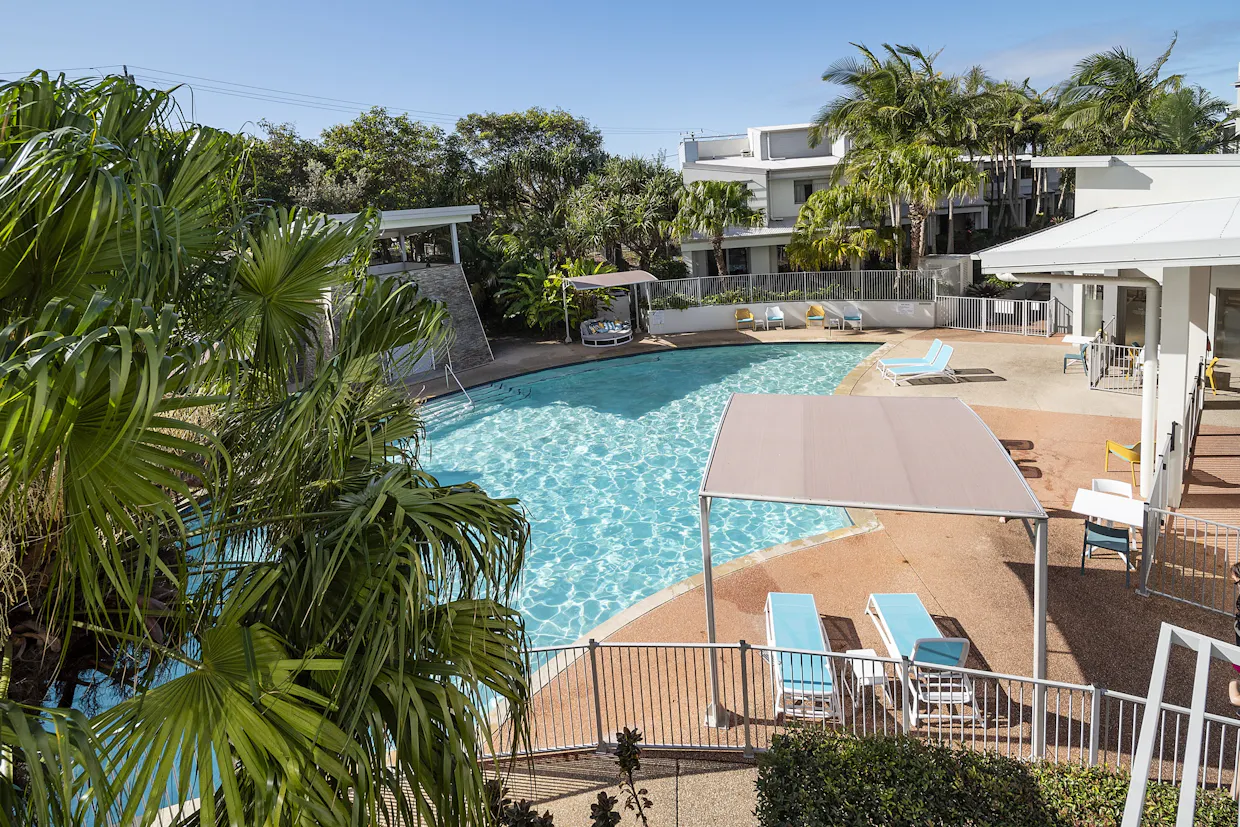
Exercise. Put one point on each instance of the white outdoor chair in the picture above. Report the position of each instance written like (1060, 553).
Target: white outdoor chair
(774, 316)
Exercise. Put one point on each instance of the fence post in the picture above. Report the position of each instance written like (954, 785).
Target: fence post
(749, 298)
(598, 704)
(1149, 542)
(744, 650)
(985, 303)
(1095, 716)
(905, 696)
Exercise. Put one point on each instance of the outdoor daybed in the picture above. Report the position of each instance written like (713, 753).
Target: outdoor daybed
(605, 333)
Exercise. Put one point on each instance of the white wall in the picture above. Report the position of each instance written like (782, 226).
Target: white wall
(783, 194)
(722, 317)
(1132, 183)
(755, 180)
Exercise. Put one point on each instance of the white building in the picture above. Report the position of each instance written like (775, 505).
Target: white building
(782, 169)
(1153, 257)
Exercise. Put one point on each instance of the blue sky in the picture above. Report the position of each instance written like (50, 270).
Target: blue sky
(642, 71)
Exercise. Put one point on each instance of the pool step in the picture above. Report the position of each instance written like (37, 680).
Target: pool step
(454, 406)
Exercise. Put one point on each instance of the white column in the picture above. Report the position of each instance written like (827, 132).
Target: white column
(1040, 563)
(716, 716)
(400, 240)
(1173, 369)
(1149, 389)
(1078, 311)
(1110, 307)
(1199, 279)
(456, 248)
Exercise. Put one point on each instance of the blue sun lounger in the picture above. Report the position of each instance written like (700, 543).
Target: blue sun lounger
(928, 359)
(939, 367)
(910, 634)
(803, 683)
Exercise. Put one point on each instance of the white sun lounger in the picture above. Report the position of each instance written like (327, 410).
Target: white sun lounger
(939, 367)
(928, 359)
(910, 634)
(804, 684)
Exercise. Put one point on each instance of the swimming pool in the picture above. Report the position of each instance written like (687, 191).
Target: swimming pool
(607, 458)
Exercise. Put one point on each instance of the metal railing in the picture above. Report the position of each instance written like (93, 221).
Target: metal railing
(844, 285)
(582, 694)
(1024, 317)
(1113, 367)
(1061, 317)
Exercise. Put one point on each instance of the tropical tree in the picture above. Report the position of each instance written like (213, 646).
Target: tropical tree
(708, 208)
(1189, 120)
(214, 531)
(839, 225)
(630, 203)
(1108, 103)
(537, 294)
(924, 176)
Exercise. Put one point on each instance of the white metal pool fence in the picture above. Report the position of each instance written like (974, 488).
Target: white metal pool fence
(1024, 317)
(843, 285)
(1112, 367)
(583, 694)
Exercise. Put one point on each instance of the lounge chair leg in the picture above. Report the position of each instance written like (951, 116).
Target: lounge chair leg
(1106, 462)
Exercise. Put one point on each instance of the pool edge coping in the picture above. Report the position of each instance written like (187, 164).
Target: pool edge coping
(863, 521)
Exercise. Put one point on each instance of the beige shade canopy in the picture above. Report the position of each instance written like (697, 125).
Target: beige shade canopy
(884, 453)
(601, 280)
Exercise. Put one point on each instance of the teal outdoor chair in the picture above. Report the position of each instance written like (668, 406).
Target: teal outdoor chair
(1069, 358)
(1110, 538)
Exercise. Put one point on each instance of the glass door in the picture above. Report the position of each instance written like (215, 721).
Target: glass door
(1227, 324)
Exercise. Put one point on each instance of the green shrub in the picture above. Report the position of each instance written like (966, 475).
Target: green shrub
(812, 777)
(669, 268)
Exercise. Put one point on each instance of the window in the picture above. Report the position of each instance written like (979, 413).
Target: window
(801, 191)
(781, 260)
(737, 260)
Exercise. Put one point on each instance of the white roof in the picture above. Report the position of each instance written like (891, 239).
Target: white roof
(392, 222)
(1180, 234)
(744, 162)
(1079, 161)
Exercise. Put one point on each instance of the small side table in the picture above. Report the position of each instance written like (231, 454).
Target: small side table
(865, 672)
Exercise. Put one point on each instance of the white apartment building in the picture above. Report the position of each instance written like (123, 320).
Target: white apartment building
(782, 169)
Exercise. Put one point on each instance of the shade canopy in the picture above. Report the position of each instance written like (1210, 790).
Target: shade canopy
(602, 280)
(1183, 234)
(884, 453)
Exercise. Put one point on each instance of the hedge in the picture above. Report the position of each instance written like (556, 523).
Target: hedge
(813, 778)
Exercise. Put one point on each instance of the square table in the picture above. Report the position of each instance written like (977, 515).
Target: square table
(1111, 507)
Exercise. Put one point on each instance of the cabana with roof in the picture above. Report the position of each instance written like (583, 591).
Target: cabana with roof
(931, 455)
(603, 281)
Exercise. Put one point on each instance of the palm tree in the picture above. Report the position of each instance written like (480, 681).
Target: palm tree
(1189, 120)
(708, 208)
(839, 225)
(213, 523)
(926, 175)
(1109, 100)
(630, 203)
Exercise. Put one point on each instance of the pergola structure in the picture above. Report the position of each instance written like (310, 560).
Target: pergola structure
(602, 281)
(930, 455)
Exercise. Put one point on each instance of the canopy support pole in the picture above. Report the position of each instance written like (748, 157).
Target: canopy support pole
(716, 715)
(1149, 389)
(1039, 636)
(568, 335)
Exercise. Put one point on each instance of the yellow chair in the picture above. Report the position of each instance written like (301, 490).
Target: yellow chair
(744, 316)
(1131, 453)
(816, 314)
(1210, 375)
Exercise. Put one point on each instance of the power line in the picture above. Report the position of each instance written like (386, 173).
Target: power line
(323, 103)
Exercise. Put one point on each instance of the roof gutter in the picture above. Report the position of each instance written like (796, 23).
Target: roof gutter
(1071, 278)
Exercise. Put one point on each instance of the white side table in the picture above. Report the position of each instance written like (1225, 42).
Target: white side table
(866, 672)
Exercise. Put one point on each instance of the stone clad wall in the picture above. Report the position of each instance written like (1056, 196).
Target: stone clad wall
(446, 283)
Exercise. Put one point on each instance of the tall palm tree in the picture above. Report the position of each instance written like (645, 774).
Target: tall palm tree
(1109, 100)
(708, 208)
(213, 523)
(926, 175)
(1189, 120)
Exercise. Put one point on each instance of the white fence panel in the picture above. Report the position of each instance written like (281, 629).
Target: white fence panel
(1023, 317)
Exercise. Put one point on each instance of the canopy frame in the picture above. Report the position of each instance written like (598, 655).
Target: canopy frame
(1035, 522)
(602, 281)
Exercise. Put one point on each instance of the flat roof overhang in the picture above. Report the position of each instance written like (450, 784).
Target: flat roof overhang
(393, 223)
(884, 453)
(605, 280)
(1203, 233)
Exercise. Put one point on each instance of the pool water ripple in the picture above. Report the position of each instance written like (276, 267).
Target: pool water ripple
(606, 459)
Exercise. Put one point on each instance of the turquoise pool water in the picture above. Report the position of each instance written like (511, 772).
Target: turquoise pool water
(607, 459)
